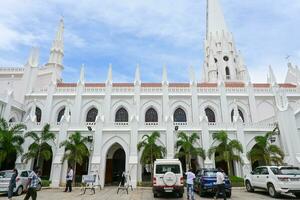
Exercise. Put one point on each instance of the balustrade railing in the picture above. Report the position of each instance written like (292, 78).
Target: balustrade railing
(62, 90)
(118, 124)
(94, 90)
(151, 123)
(180, 123)
(151, 89)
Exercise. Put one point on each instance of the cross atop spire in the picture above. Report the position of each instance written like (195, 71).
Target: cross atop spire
(215, 18)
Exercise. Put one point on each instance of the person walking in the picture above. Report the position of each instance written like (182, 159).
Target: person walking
(32, 184)
(190, 176)
(69, 180)
(220, 184)
(12, 184)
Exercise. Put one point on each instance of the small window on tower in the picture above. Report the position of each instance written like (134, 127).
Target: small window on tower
(225, 58)
(216, 60)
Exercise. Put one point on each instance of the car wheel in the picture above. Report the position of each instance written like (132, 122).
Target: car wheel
(249, 187)
(39, 187)
(19, 190)
(155, 195)
(272, 191)
(202, 193)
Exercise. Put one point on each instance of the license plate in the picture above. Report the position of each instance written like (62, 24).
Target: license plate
(168, 189)
(295, 179)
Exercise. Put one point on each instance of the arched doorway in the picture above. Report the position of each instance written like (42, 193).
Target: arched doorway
(255, 161)
(82, 169)
(45, 165)
(220, 163)
(115, 164)
(9, 162)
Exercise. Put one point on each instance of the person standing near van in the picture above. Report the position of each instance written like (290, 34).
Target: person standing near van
(190, 176)
(12, 184)
(33, 181)
(69, 180)
(220, 184)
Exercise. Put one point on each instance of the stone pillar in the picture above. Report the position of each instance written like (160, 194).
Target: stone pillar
(224, 103)
(195, 110)
(208, 162)
(97, 146)
(46, 115)
(7, 109)
(57, 164)
(244, 169)
(252, 103)
(133, 158)
(170, 133)
(76, 110)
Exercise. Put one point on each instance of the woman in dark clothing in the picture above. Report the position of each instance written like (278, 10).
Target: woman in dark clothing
(12, 184)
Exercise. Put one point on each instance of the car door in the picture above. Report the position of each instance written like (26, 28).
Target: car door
(263, 177)
(255, 177)
(24, 178)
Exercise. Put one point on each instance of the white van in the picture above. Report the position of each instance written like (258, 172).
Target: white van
(167, 177)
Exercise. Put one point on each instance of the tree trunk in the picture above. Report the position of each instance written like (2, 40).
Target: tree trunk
(229, 168)
(38, 157)
(187, 165)
(151, 163)
(74, 174)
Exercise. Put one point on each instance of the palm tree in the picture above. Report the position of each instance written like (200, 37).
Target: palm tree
(75, 150)
(39, 149)
(151, 151)
(186, 143)
(228, 150)
(11, 140)
(265, 151)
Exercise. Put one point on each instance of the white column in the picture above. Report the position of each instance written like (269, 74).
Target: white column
(246, 168)
(252, 103)
(7, 109)
(76, 110)
(195, 110)
(133, 159)
(57, 164)
(46, 115)
(224, 104)
(171, 135)
(208, 163)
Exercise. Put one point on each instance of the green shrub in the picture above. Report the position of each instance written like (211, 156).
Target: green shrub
(46, 183)
(144, 184)
(236, 181)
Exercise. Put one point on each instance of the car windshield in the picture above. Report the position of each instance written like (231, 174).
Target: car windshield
(210, 173)
(162, 169)
(286, 171)
(6, 174)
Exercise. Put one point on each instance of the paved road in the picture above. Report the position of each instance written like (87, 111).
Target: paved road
(109, 193)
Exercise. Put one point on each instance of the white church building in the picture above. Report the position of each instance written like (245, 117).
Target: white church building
(117, 115)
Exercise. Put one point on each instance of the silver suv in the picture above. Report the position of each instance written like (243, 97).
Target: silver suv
(275, 179)
(21, 181)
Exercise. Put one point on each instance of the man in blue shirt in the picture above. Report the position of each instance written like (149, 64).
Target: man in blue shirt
(32, 185)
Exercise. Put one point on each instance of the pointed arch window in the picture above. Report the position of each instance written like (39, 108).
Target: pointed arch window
(179, 115)
(38, 114)
(151, 115)
(11, 120)
(227, 73)
(60, 114)
(240, 114)
(121, 115)
(210, 115)
(91, 115)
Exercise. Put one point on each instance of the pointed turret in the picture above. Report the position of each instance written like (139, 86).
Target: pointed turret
(137, 79)
(221, 56)
(165, 76)
(109, 75)
(33, 59)
(271, 77)
(82, 75)
(57, 49)
(192, 76)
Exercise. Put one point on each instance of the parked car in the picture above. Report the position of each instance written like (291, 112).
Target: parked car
(168, 177)
(21, 181)
(275, 179)
(205, 182)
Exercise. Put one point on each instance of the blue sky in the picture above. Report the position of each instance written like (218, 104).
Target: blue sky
(150, 33)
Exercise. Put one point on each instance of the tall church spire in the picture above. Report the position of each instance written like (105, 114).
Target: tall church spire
(215, 22)
(57, 49)
(222, 61)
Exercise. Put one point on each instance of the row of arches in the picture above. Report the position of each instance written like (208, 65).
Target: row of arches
(151, 115)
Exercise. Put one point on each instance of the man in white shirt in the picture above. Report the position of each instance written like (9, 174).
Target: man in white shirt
(220, 183)
(190, 176)
(69, 180)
